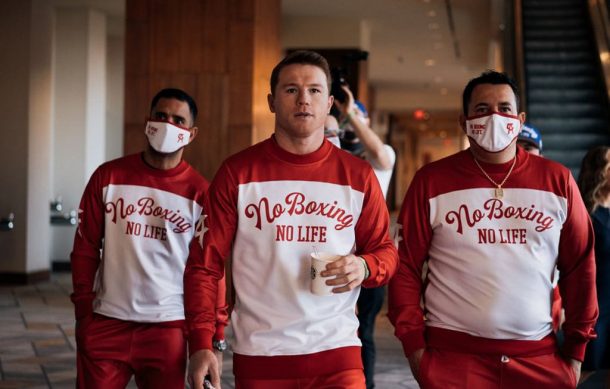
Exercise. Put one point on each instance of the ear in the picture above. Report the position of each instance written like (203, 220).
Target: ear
(271, 103)
(522, 117)
(331, 100)
(462, 120)
(194, 131)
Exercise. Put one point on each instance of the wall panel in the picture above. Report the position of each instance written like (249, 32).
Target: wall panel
(220, 52)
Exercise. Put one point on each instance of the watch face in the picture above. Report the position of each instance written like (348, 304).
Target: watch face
(220, 345)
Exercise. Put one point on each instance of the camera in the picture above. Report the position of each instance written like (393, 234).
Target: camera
(338, 79)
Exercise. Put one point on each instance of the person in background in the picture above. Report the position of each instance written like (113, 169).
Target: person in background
(491, 229)
(530, 139)
(594, 184)
(358, 138)
(332, 133)
(272, 205)
(137, 217)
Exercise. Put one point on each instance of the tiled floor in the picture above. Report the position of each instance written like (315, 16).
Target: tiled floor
(37, 347)
(37, 342)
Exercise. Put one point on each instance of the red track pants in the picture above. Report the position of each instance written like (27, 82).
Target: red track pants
(110, 351)
(347, 379)
(442, 369)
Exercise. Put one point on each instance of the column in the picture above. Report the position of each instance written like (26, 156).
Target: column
(25, 151)
(79, 112)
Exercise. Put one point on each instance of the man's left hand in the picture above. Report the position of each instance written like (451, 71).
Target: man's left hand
(348, 271)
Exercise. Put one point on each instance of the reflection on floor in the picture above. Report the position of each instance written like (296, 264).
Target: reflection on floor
(37, 347)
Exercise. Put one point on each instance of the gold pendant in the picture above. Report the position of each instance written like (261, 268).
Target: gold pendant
(498, 192)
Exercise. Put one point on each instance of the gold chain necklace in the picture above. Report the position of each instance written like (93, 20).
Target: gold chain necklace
(498, 191)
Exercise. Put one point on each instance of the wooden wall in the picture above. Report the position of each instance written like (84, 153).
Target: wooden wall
(220, 52)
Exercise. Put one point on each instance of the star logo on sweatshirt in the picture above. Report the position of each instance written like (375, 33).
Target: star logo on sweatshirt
(201, 229)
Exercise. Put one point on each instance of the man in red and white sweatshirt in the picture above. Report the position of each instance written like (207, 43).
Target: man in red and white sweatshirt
(137, 218)
(491, 223)
(272, 205)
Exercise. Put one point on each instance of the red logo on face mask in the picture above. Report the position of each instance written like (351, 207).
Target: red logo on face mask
(151, 130)
(510, 128)
(180, 137)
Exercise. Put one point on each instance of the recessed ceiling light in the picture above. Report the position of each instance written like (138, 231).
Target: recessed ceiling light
(432, 13)
(430, 62)
(438, 79)
(444, 91)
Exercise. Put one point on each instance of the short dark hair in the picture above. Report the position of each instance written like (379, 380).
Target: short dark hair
(488, 77)
(303, 57)
(178, 94)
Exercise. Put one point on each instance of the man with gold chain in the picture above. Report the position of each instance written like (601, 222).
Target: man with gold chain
(492, 222)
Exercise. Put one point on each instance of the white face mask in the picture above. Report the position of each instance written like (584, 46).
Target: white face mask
(166, 137)
(333, 137)
(493, 132)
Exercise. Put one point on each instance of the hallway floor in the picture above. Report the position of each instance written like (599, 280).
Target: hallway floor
(37, 346)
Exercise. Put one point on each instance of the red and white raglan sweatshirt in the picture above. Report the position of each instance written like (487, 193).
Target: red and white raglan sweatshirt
(489, 283)
(273, 208)
(132, 242)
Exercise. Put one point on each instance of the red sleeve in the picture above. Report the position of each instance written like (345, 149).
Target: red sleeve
(406, 288)
(222, 310)
(373, 242)
(576, 264)
(85, 256)
(204, 285)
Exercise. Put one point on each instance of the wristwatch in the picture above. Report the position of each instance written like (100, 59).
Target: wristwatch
(220, 345)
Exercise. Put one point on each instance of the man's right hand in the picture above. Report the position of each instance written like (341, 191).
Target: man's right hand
(414, 361)
(202, 363)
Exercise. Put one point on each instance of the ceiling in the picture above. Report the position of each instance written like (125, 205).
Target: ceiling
(421, 52)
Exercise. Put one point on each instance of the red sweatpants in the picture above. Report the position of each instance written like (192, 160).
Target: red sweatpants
(110, 351)
(442, 369)
(347, 379)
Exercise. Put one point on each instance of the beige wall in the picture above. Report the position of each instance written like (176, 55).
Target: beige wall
(115, 96)
(25, 105)
(330, 32)
(79, 111)
(54, 134)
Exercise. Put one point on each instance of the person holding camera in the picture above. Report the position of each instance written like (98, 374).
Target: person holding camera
(359, 139)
